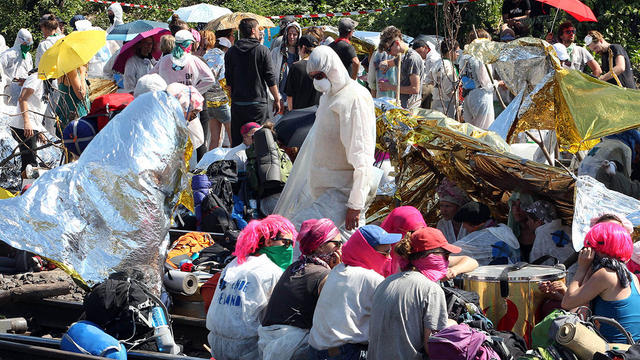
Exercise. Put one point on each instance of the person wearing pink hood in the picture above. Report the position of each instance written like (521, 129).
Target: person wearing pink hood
(406, 220)
(410, 305)
(288, 318)
(341, 320)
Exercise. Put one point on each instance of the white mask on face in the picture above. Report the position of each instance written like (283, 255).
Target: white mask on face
(322, 85)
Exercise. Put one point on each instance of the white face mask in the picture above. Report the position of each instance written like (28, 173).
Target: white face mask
(322, 85)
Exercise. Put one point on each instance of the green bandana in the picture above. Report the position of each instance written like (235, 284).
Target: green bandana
(280, 255)
(179, 48)
(24, 49)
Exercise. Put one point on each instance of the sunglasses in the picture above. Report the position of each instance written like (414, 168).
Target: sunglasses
(570, 31)
(319, 76)
(287, 242)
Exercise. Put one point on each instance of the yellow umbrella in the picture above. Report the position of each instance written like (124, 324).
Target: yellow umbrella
(71, 52)
(231, 21)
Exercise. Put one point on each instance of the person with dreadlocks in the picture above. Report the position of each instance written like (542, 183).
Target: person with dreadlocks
(182, 67)
(263, 250)
(285, 328)
(603, 280)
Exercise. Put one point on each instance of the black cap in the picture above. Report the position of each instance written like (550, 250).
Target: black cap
(473, 213)
(418, 44)
(308, 40)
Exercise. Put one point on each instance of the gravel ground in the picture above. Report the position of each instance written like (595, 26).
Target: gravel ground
(8, 282)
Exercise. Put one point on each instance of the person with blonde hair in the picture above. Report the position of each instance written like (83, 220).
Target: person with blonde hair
(167, 42)
(616, 66)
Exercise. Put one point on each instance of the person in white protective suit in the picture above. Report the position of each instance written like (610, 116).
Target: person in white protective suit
(333, 176)
(477, 87)
(443, 76)
(3, 44)
(180, 66)
(16, 63)
(114, 12)
(49, 27)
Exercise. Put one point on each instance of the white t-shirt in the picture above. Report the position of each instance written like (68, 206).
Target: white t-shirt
(34, 102)
(241, 298)
(446, 226)
(344, 307)
(239, 155)
(579, 56)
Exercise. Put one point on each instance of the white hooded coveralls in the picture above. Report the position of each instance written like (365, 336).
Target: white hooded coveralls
(13, 66)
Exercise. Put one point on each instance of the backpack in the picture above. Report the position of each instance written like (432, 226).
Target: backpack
(200, 186)
(215, 217)
(223, 176)
(122, 308)
(457, 301)
(268, 166)
(508, 345)
(186, 246)
(540, 334)
(105, 107)
(633, 353)
(216, 255)
(78, 134)
(460, 342)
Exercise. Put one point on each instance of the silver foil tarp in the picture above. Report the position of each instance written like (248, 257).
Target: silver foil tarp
(109, 211)
(10, 178)
(521, 63)
(593, 199)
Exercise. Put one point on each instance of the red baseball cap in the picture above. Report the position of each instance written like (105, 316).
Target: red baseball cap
(244, 130)
(428, 238)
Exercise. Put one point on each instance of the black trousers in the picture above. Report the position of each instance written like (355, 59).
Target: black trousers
(242, 114)
(204, 121)
(27, 156)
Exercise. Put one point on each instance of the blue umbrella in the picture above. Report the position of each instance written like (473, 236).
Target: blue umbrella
(128, 31)
(201, 13)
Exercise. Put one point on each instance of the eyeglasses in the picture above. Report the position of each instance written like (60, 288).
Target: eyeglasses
(570, 31)
(319, 76)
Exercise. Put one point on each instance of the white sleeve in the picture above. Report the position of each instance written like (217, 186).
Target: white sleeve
(206, 79)
(130, 71)
(358, 135)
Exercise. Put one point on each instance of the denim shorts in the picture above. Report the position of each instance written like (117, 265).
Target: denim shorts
(220, 113)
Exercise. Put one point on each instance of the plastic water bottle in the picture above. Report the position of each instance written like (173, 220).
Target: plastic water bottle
(164, 339)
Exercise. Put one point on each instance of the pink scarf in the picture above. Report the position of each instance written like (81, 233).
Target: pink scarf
(433, 266)
(358, 252)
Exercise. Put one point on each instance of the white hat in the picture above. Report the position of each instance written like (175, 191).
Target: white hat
(184, 35)
(149, 83)
(224, 42)
(561, 51)
(588, 40)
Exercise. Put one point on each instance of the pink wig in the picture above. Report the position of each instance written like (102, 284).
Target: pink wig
(267, 228)
(403, 219)
(610, 239)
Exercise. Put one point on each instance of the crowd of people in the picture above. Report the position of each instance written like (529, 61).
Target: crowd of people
(352, 290)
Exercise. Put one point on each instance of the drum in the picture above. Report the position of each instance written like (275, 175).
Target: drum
(509, 294)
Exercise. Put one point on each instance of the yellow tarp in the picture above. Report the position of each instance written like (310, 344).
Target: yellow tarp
(6, 194)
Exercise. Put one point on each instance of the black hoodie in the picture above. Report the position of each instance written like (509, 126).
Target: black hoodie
(247, 69)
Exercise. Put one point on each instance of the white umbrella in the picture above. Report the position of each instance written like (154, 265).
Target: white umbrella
(201, 13)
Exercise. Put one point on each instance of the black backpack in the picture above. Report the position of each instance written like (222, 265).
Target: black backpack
(457, 301)
(215, 216)
(223, 175)
(122, 308)
(509, 345)
(215, 255)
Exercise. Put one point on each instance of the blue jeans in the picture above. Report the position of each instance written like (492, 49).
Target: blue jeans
(344, 352)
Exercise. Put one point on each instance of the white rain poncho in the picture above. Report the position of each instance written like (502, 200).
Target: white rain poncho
(149, 83)
(117, 19)
(489, 244)
(444, 79)
(283, 342)
(3, 44)
(478, 104)
(13, 66)
(334, 169)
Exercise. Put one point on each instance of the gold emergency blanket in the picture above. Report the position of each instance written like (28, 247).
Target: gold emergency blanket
(427, 146)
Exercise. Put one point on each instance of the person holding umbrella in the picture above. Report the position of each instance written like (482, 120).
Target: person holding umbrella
(139, 64)
(181, 66)
(49, 27)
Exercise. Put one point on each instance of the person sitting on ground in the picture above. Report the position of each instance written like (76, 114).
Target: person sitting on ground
(603, 280)
(451, 199)
(616, 66)
(411, 70)
(518, 221)
(552, 237)
(341, 321)
(410, 305)
(299, 87)
(406, 220)
(139, 64)
(239, 153)
(616, 161)
(262, 251)
(556, 289)
(487, 242)
(288, 318)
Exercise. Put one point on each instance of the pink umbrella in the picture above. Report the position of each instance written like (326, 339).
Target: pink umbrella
(129, 49)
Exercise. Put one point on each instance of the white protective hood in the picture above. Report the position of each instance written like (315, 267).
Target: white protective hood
(334, 169)
(117, 12)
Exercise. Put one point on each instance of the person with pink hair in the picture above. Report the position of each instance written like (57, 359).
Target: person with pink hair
(603, 280)
(289, 315)
(263, 250)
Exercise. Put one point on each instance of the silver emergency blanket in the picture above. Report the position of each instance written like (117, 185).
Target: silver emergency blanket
(10, 172)
(594, 199)
(110, 210)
